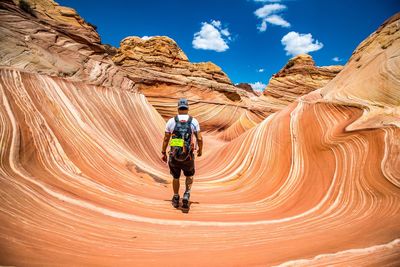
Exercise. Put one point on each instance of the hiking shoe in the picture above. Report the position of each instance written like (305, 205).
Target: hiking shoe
(185, 200)
(175, 201)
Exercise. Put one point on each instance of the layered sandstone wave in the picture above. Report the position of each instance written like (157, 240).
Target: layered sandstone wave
(376, 89)
(299, 77)
(82, 182)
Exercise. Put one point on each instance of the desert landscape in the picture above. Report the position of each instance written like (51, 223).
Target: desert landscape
(305, 174)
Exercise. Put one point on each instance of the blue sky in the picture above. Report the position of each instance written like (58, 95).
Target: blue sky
(249, 39)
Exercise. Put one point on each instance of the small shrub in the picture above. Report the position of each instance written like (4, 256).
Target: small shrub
(92, 25)
(25, 6)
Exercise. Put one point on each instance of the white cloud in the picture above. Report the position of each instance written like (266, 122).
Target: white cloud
(146, 37)
(212, 37)
(263, 26)
(268, 9)
(225, 32)
(336, 59)
(267, 13)
(258, 86)
(260, 70)
(298, 43)
(277, 20)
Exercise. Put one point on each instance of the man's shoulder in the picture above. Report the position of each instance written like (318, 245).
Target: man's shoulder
(171, 120)
(194, 120)
(196, 124)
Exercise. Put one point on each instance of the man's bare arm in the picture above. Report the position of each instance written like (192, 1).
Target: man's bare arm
(199, 143)
(167, 136)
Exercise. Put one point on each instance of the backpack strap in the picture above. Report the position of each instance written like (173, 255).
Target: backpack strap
(176, 118)
(189, 121)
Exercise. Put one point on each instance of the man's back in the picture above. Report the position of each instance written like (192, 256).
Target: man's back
(169, 128)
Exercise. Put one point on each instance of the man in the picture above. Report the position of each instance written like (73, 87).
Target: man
(180, 130)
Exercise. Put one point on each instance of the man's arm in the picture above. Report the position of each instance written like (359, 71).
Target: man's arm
(167, 136)
(199, 143)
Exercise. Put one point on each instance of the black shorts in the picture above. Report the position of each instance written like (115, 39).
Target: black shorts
(175, 167)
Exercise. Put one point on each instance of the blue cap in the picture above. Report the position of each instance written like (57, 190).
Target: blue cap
(183, 103)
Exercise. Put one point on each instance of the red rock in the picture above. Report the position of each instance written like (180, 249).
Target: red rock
(299, 77)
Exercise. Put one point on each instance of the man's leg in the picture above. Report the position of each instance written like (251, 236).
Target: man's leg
(186, 195)
(175, 172)
(189, 173)
(189, 182)
(175, 185)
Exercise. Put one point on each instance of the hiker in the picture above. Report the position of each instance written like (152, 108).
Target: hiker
(179, 133)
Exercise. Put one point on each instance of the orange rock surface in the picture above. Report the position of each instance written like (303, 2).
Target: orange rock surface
(82, 182)
(299, 77)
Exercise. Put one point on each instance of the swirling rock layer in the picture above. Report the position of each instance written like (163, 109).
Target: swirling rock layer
(375, 63)
(82, 183)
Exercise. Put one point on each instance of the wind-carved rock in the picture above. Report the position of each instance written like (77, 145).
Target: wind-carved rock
(299, 77)
(41, 36)
(376, 64)
(160, 59)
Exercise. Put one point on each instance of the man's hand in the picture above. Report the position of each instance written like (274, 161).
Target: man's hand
(199, 153)
(164, 157)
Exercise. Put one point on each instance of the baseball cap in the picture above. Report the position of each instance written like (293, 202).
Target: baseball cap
(183, 103)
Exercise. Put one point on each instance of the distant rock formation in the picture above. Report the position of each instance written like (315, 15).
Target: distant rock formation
(247, 87)
(41, 36)
(376, 63)
(168, 63)
(163, 73)
(299, 77)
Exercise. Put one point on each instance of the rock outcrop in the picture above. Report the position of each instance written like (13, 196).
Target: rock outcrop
(163, 73)
(299, 77)
(41, 36)
(247, 87)
(375, 63)
(168, 64)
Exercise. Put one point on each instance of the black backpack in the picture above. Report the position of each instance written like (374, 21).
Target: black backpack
(181, 139)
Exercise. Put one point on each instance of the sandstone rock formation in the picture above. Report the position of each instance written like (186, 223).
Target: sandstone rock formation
(376, 63)
(247, 87)
(82, 182)
(165, 62)
(299, 77)
(163, 74)
(41, 36)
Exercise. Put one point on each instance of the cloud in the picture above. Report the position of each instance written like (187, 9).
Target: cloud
(258, 86)
(260, 70)
(336, 59)
(212, 37)
(263, 26)
(298, 43)
(146, 37)
(267, 14)
(277, 20)
(268, 9)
